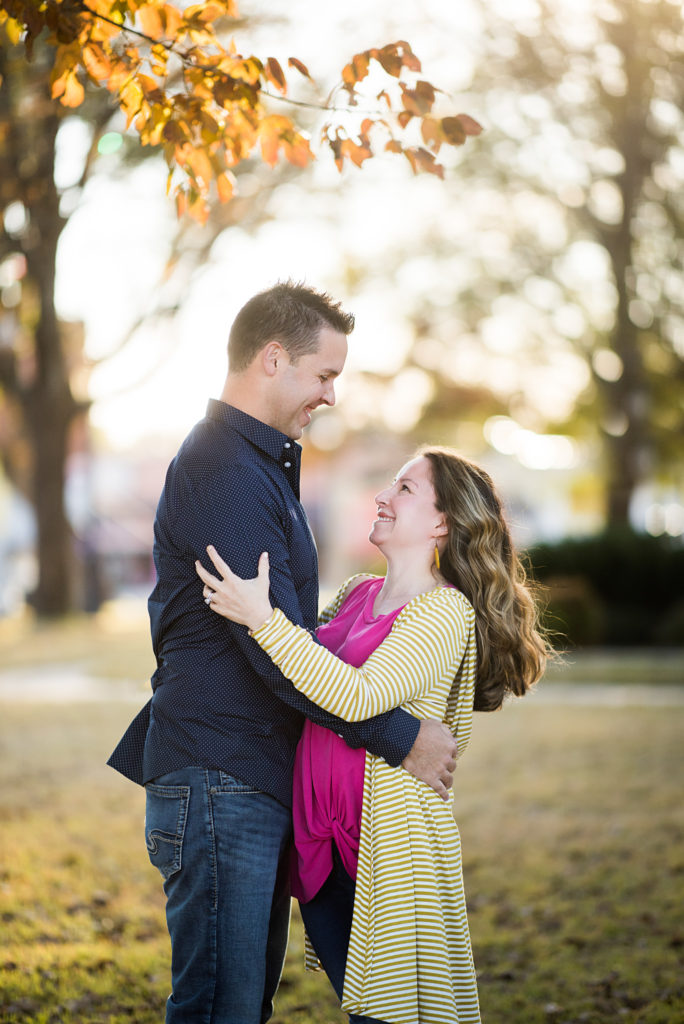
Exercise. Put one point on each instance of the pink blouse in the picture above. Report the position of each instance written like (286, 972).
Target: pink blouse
(328, 775)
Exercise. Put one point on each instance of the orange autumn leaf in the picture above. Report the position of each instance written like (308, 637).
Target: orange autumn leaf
(357, 69)
(431, 131)
(96, 62)
(297, 151)
(14, 31)
(409, 59)
(199, 166)
(389, 60)
(418, 100)
(172, 19)
(130, 99)
(356, 152)
(66, 61)
(271, 130)
(292, 62)
(73, 93)
(469, 124)
(151, 21)
(225, 187)
(453, 131)
(120, 74)
(150, 89)
(269, 139)
(274, 73)
(336, 147)
(198, 209)
(204, 13)
(422, 160)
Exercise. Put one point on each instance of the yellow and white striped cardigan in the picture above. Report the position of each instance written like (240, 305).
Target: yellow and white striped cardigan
(409, 960)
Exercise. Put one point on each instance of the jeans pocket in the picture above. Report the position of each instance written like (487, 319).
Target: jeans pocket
(229, 784)
(165, 818)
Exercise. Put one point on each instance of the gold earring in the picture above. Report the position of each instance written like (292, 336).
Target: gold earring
(437, 557)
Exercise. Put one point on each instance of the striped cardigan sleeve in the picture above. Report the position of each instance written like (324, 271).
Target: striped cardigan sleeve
(427, 640)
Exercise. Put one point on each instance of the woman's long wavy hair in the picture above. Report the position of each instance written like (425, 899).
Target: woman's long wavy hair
(480, 560)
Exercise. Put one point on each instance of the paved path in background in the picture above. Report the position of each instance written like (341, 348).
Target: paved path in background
(66, 684)
(613, 695)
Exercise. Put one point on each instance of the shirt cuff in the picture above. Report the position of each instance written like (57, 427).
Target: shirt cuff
(393, 741)
(398, 736)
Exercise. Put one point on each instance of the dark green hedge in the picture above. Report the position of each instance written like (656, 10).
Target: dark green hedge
(619, 588)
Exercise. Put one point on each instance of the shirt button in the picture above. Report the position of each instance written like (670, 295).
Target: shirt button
(287, 445)
(287, 465)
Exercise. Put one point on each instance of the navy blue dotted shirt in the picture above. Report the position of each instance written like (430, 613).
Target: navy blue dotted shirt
(218, 701)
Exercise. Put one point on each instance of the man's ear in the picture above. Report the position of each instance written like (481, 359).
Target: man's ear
(271, 355)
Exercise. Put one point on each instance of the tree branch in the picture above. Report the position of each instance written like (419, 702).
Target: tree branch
(224, 76)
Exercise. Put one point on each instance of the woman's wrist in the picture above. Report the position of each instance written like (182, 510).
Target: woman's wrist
(260, 618)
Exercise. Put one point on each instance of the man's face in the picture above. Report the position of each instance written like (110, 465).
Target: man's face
(301, 387)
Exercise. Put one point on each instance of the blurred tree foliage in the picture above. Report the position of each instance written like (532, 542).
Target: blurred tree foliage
(599, 100)
(168, 74)
(207, 106)
(43, 367)
(561, 278)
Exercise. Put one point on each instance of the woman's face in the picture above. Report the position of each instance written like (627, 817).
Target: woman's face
(407, 517)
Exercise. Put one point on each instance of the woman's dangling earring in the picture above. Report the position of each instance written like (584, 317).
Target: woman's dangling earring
(437, 557)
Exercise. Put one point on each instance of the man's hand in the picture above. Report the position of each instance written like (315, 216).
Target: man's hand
(432, 758)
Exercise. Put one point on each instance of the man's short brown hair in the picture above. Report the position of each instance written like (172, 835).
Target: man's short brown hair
(290, 313)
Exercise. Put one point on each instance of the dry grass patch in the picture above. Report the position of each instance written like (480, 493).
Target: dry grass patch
(572, 827)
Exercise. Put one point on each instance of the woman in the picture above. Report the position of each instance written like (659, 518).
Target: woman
(450, 628)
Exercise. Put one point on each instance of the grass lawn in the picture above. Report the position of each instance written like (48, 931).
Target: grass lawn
(571, 818)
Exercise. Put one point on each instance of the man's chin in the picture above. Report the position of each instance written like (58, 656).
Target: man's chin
(300, 427)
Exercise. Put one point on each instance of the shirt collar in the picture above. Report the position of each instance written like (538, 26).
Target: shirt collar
(271, 441)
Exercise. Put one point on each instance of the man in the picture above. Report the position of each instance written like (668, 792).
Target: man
(215, 745)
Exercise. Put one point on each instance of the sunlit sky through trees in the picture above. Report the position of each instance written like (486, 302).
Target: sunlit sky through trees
(339, 233)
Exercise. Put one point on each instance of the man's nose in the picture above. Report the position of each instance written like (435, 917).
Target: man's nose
(329, 393)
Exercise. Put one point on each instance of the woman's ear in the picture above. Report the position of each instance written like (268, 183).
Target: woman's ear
(441, 530)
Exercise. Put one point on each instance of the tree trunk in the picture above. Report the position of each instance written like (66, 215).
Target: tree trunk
(628, 397)
(49, 402)
(53, 594)
(623, 479)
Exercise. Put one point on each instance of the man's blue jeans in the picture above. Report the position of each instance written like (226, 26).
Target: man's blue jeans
(222, 849)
